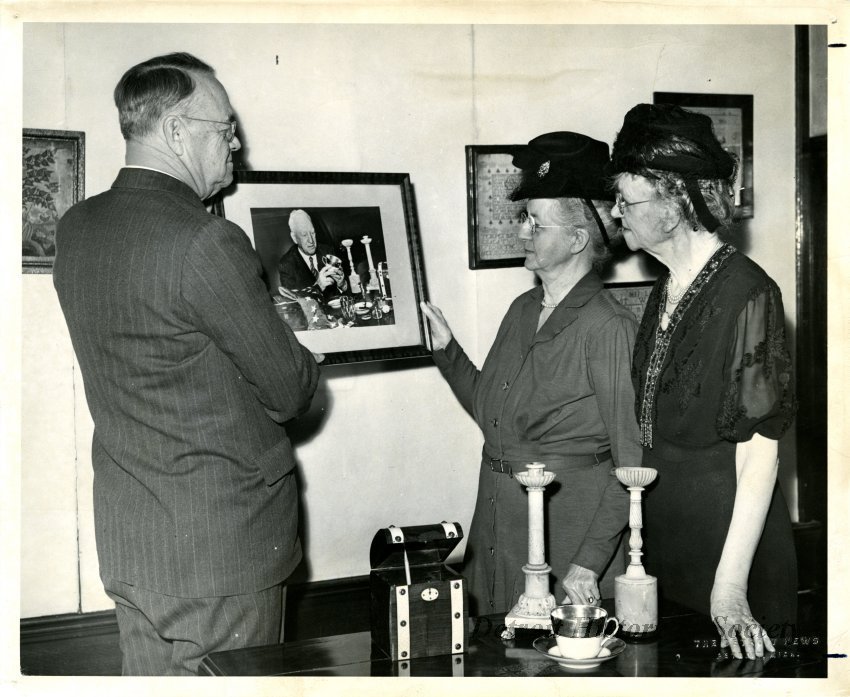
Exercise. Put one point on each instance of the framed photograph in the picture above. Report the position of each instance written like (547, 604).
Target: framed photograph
(632, 295)
(53, 180)
(492, 218)
(732, 118)
(341, 258)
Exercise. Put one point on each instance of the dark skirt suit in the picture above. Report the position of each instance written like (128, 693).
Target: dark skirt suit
(719, 374)
(560, 396)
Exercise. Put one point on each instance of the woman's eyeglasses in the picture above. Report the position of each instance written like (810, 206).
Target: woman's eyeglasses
(622, 204)
(526, 219)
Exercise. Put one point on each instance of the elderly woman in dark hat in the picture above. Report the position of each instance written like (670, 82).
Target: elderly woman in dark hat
(712, 374)
(555, 388)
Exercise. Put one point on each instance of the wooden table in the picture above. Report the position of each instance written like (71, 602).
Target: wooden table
(686, 645)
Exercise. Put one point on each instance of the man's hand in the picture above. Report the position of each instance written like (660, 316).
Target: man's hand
(337, 275)
(329, 274)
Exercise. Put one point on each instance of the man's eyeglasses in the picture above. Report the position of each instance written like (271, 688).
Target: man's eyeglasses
(622, 204)
(526, 219)
(230, 133)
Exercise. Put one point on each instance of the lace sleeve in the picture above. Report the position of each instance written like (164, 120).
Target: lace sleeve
(759, 395)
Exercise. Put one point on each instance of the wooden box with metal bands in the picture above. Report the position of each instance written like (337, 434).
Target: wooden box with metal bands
(418, 604)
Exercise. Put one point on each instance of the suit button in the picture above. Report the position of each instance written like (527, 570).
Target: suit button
(505, 385)
(495, 422)
(492, 551)
(492, 500)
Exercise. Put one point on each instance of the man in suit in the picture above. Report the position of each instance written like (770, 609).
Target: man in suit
(189, 377)
(301, 268)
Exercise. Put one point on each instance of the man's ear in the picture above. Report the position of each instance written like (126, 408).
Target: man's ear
(174, 133)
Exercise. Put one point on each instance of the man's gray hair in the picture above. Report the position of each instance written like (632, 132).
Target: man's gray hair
(148, 90)
(298, 219)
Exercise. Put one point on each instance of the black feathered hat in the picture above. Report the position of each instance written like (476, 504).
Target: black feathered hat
(648, 126)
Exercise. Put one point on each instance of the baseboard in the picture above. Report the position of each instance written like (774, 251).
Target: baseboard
(315, 609)
(68, 626)
(325, 608)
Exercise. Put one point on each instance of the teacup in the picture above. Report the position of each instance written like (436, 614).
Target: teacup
(580, 629)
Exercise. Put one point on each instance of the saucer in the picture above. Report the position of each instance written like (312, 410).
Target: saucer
(362, 308)
(549, 647)
(334, 303)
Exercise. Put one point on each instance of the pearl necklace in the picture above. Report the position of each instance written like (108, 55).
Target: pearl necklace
(675, 299)
(547, 305)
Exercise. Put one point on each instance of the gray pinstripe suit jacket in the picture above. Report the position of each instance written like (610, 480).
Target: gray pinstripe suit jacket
(189, 375)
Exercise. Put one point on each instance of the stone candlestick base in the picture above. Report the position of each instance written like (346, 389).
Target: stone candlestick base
(636, 605)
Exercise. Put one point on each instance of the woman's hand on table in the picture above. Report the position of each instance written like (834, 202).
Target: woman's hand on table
(738, 629)
(581, 586)
(441, 334)
(725, 666)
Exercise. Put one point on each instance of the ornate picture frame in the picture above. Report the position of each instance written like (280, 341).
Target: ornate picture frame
(366, 226)
(732, 118)
(52, 180)
(492, 218)
(632, 295)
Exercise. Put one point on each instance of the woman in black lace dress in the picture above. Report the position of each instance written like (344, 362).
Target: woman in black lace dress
(713, 384)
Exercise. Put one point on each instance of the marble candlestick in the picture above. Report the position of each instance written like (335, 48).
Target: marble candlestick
(534, 606)
(636, 592)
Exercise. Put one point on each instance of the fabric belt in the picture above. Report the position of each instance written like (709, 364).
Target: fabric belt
(673, 452)
(571, 462)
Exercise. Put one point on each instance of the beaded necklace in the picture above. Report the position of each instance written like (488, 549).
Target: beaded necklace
(663, 338)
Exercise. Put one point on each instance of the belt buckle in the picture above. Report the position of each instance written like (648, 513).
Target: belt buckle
(510, 471)
(602, 457)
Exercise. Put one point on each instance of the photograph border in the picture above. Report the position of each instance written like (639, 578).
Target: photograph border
(421, 347)
(744, 102)
(38, 264)
(472, 205)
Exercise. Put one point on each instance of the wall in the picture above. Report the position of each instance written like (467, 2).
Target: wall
(383, 443)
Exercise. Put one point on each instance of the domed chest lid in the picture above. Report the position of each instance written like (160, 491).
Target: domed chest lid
(425, 545)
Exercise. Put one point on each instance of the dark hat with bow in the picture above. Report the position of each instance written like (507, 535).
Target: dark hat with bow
(563, 164)
(647, 128)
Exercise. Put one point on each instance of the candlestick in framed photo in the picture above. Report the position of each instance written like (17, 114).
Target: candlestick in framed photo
(354, 277)
(373, 281)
